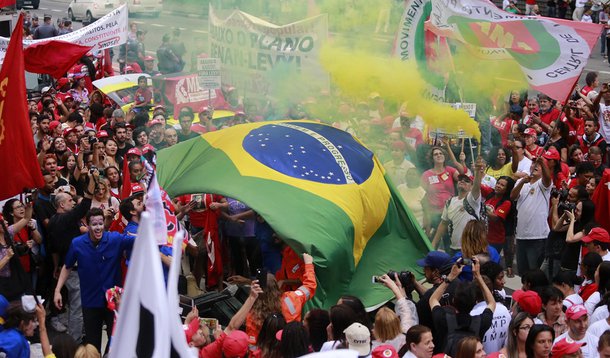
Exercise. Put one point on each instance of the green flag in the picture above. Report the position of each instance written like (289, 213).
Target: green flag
(319, 188)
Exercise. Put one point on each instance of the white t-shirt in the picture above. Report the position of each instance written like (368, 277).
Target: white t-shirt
(533, 211)
(456, 213)
(606, 257)
(573, 299)
(505, 4)
(329, 346)
(495, 337)
(413, 198)
(598, 328)
(604, 121)
(589, 350)
(600, 313)
(592, 301)
(524, 166)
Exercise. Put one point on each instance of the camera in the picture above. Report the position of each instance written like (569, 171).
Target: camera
(92, 140)
(562, 194)
(565, 206)
(405, 277)
(21, 249)
(92, 169)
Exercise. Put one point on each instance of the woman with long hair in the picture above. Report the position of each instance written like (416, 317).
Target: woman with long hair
(113, 175)
(316, 320)
(341, 317)
(470, 347)
(500, 219)
(70, 171)
(474, 244)
(439, 183)
(575, 156)
(13, 280)
(418, 343)
(267, 342)
(102, 198)
(499, 160)
(574, 223)
(110, 149)
(539, 341)
(79, 90)
(387, 329)
(23, 230)
(518, 330)
(294, 340)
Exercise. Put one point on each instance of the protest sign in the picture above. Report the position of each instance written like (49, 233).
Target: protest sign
(107, 32)
(255, 53)
(209, 73)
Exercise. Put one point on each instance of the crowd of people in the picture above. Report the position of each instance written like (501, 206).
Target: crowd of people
(522, 206)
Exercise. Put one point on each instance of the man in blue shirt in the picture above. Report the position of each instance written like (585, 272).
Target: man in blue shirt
(98, 254)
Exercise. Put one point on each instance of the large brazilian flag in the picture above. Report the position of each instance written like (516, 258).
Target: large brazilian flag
(318, 187)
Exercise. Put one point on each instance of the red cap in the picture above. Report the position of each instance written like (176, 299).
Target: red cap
(530, 131)
(529, 301)
(576, 311)
(79, 75)
(564, 347)
(62, 82)
(552, 153)
(136, 188)
(68, 96)
(68, 131)
(597, 234)
(148, 148)
(134, 151)
(149, 58)
(102, 134)
(53, 125)
(192, 328)
(384, 351)
(129, 125)
(128, 69)
(235, 344)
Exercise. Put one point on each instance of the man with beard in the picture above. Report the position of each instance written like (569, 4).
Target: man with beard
(98, 254)
(547, 113)
(43, 122)
(121, 138)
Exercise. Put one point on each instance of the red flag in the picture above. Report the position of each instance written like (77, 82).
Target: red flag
(53, 57)
(126, 189)
(4, 3)
(17, 150)
(601, 199)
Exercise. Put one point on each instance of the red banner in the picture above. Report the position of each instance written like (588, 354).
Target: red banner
(17, 150)
(53, 57)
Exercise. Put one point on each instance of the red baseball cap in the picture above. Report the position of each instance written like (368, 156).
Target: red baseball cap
(235, 344)
(529, 301)
(576, 311)
(149, 58)
(530, 131)
(134, 151)
(68, 131)
(102, 134)
(148, 148)
(191, 329)
(136, 188)
(62, 82)
(552, 153)
(565, 346)
(155, 121)
(384, 351)
(53, 125)
(597, 234)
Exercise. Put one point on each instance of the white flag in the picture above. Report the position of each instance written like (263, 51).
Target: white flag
(154, 204)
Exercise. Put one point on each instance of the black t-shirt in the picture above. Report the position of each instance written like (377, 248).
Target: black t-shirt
(463, 322)
(183, 137)
(122, 151)
(63, 227)
(43, 210)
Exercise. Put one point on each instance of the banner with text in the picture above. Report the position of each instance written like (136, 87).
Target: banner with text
(255, 54)
(552, 53)
(109, 31)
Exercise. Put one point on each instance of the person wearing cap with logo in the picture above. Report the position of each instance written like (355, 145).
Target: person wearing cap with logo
(46, 30)
(532, 194)
(567, 349)
(157, 132)
(598, 241)
(149, 66)
(578, 322)
(358, 338)
(459, 209)
(532, 150)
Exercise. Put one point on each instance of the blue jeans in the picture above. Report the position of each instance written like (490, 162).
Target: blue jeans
(530, 254)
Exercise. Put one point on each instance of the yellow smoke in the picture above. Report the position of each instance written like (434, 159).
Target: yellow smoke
(358, 73)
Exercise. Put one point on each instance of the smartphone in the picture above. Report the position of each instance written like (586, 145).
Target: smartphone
(261, 276)
(212, 323)
(198, 198)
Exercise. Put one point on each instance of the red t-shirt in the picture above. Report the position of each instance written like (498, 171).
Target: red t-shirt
(143, 96)
(439, 187)
(587, 290)
(504, 128)
(414, 137)
(575, 129)
(22, 237)
(536, 151)
(550, 116)
(200, 216)
(496, 233)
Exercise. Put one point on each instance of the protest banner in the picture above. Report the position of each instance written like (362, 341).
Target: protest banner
(107, 32)
(209, 73)
(254, 53)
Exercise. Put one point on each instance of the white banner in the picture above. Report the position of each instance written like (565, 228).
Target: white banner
(109, 31)
(256, 54)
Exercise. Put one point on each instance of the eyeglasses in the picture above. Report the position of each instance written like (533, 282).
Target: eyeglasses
(518, 147)
(525, 328)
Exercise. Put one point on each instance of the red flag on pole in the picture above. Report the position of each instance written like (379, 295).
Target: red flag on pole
(17, 150)
(601, 199)
(53, 57)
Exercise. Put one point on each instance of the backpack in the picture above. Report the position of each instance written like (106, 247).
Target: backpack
(454, 335)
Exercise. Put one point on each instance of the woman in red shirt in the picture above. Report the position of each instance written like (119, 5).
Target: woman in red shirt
(22, 228)
(439, 183)
(498, 209)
